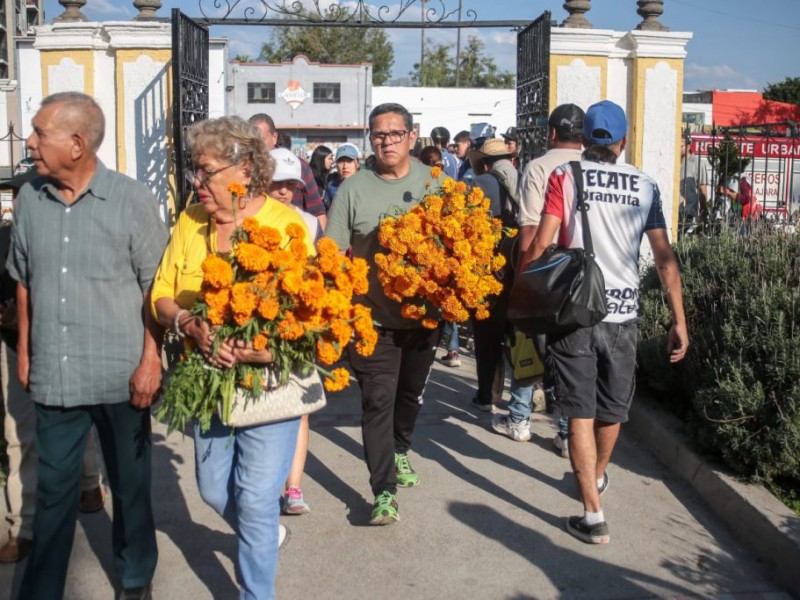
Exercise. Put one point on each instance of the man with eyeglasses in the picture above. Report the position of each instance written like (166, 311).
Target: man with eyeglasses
(308, 196)
(393, 379)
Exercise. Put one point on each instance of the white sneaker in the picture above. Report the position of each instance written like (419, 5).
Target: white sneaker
(451, 359)
(283, 534)
(562, 445)
(519, 432)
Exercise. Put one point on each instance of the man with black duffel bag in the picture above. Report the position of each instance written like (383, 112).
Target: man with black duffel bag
(594, 366)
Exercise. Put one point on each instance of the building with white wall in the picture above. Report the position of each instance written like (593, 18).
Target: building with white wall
(17, 21)
(313, 103)
(454, 108)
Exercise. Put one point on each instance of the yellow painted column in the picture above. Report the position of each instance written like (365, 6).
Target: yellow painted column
(561, 64)
(54, 58)
(636, 120)
(126, 56)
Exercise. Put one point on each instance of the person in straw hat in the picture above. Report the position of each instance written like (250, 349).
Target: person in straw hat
(497, 177)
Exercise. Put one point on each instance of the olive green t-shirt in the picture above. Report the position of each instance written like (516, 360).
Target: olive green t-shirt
(353, 218)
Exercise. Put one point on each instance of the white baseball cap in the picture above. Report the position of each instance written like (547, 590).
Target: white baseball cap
(287, 165)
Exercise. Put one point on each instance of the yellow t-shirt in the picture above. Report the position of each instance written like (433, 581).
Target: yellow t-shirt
(180, 275)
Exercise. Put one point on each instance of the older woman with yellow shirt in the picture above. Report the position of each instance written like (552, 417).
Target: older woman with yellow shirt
(240, 473)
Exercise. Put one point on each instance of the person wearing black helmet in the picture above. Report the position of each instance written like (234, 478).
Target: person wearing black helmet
(512, 145)
(441, 137)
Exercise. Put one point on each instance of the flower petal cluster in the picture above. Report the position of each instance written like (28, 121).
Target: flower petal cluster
(278, 297)
(274, 297)
(442, 255)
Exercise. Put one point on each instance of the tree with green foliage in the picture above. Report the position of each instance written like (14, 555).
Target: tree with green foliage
(333, 45)
(785, 91)
(475, 68)
(242, 58)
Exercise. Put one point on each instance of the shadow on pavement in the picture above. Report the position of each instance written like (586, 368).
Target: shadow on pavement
(550, 559)
(195, 541)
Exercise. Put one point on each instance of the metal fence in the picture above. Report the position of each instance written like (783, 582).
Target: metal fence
(12, 139)
(763, 157)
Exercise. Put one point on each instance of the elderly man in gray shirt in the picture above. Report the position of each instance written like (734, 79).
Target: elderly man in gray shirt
(85, 247)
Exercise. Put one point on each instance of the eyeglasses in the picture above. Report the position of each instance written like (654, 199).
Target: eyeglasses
(203, 175)
(394, 137)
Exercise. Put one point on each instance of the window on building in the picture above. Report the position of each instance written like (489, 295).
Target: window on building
(327, 93)
(261, 93)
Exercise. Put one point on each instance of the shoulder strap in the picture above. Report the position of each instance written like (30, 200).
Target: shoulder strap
(508, 209)
(577, 174)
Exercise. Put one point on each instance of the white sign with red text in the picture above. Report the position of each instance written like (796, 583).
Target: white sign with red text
(294, 94)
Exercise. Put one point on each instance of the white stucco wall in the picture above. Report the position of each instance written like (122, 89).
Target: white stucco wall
(30, 85)
(455, 109)
(217, 77)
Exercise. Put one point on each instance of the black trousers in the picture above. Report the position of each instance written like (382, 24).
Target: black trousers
(489, 335)
(392, 381)
(61, 435)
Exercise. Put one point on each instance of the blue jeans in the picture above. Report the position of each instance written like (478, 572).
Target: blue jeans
(241, 477)
(450, 333)
(521, 403)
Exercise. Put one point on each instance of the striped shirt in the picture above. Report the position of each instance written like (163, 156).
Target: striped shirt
(86, 266)
(307, 196)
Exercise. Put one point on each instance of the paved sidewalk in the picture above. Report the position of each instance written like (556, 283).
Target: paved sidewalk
(487, 521)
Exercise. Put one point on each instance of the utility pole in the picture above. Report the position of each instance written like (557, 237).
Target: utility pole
(422, 43)
(458, 45)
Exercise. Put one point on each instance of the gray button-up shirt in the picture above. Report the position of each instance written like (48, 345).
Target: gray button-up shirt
(86, 266)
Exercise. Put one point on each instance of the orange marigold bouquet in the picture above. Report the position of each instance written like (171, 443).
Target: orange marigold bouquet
(273, 297)
(443, 255)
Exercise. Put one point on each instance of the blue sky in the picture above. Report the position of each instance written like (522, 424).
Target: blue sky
(737, 44)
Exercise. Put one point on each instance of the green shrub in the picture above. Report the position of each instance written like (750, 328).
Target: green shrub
(739, 386)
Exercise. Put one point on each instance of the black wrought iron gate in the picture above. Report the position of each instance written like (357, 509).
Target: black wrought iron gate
(190, 59)
(189, 93)
(533, 87)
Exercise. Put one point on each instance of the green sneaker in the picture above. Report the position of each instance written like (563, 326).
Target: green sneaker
(406, 476)
(385, 510)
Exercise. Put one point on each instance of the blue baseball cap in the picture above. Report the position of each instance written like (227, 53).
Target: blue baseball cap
(347, 151)
(605, 123)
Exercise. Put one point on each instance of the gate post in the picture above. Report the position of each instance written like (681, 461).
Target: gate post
(642, 71)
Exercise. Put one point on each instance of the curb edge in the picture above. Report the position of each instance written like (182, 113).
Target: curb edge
(756, 517)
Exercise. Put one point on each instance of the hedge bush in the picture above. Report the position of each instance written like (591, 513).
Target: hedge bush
(739, 386)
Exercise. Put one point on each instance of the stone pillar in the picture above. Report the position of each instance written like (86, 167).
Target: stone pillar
(72, 11)
(576, 10)
(650, 10)
(147, 9)
(655, 110)
(642, 71)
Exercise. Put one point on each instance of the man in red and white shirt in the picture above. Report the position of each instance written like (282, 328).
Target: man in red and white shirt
(594, 367)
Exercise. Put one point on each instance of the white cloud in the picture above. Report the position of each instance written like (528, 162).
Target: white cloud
(504, 37)
(103, 9)
(705, 77)
(242, 40)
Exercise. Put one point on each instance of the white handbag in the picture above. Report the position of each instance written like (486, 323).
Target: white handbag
(300, 396)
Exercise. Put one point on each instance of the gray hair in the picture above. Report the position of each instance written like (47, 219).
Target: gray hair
(82, 113)
(235, 140)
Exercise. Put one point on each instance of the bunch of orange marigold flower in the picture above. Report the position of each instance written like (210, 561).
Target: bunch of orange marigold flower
(442, 255)
(274, 298)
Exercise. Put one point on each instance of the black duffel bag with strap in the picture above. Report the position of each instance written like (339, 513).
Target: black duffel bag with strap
(562, 290)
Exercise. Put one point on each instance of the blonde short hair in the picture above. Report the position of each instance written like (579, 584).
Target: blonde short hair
(235, 140)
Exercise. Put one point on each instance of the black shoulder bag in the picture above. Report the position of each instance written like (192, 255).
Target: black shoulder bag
(563, 289)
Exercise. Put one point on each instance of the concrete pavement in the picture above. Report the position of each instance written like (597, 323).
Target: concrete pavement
(487, 521)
